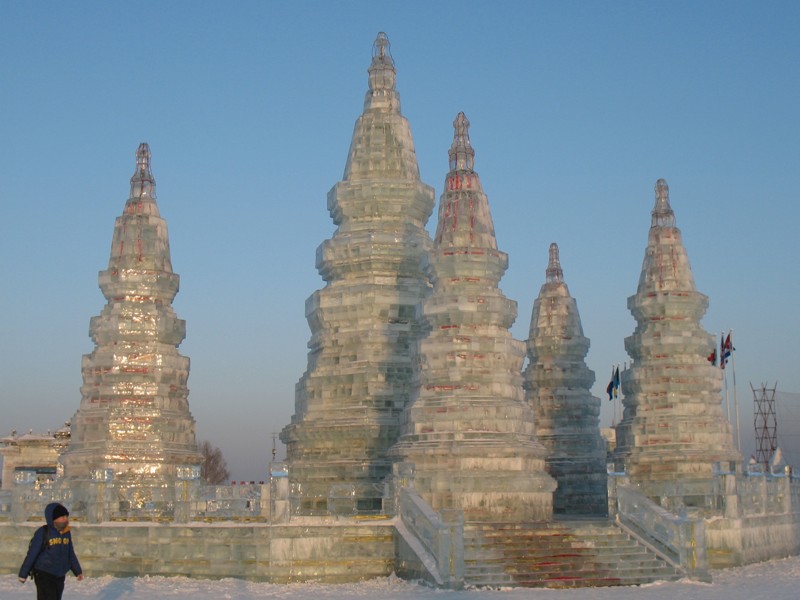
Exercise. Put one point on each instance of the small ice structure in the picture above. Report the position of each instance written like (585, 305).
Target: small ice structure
(557, 384)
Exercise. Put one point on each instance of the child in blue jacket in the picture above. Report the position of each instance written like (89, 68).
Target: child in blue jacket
(51, 555)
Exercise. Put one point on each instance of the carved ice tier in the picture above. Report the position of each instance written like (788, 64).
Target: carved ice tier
(469, 431)
(364, 322)
(557, 385)
(673, 429)
(134, 417)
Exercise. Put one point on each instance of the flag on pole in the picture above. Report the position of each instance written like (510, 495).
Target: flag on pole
(712, 358)
(723, 360)
(613, 386)
(725, 349)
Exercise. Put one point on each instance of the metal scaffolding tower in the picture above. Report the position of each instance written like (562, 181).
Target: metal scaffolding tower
(765, 423)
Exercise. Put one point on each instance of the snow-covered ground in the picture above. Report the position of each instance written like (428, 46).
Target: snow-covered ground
(773, 580)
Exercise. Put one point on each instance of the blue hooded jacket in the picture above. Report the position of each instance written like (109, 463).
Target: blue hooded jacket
(59, 555)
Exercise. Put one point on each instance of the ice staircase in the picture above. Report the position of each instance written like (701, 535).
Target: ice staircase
(559, 554)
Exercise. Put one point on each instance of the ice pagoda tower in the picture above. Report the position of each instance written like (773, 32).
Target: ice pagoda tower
(134, 424)
(364, 323)
(673, 430)
(557, 386)
(469, 432)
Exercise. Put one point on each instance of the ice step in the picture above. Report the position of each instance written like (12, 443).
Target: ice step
(558, 554)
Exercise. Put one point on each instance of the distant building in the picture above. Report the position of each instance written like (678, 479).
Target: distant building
(609, 435)
(32, 455)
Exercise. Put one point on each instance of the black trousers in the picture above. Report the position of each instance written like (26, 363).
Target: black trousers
(48, 587)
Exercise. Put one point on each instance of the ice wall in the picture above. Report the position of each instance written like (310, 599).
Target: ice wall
(364, 322)
(346, 551)
(557, 386)
(673, 428)
(468, 431)
(133, 424)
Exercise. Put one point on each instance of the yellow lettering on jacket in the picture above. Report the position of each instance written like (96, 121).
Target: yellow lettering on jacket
(58, 540)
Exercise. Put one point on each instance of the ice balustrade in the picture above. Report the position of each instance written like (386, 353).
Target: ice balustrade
(103, 499)
(751, 494)
(235, 501)
(680, 538)
(768, 494)
(440, 534)
(347, 499)
(29, 497)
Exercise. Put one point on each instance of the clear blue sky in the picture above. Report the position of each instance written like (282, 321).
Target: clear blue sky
(576, 109)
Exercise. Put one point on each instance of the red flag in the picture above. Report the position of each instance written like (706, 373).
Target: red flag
(725, 350)
(712, 358)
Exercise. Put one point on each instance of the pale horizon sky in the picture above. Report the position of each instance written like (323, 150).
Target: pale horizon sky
(576, 109)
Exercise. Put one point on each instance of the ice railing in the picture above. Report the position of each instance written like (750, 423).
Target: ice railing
(765, 492)
(104, 498)
(242, 501)
(441, 536)
(679, 538)
(435, 539)
(29, 495)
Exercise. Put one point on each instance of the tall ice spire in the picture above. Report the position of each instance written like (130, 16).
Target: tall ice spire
(673, 429)
(464, 217)
(134, 419)
(558, 384)
(364, 322)
(469, 432)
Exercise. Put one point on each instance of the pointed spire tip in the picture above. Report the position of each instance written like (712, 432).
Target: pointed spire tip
(554, 274)
(143, 157)
(462, 155)
(142, 181)
(380, 47)
(382, 74)
(663, 215)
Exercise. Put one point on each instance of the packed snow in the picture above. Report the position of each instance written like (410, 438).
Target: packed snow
(775, 580)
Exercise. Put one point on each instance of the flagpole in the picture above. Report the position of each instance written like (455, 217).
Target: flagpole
(735, 399)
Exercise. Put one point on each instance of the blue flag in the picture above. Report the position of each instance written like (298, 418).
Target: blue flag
(725, 349)
(613, 386)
